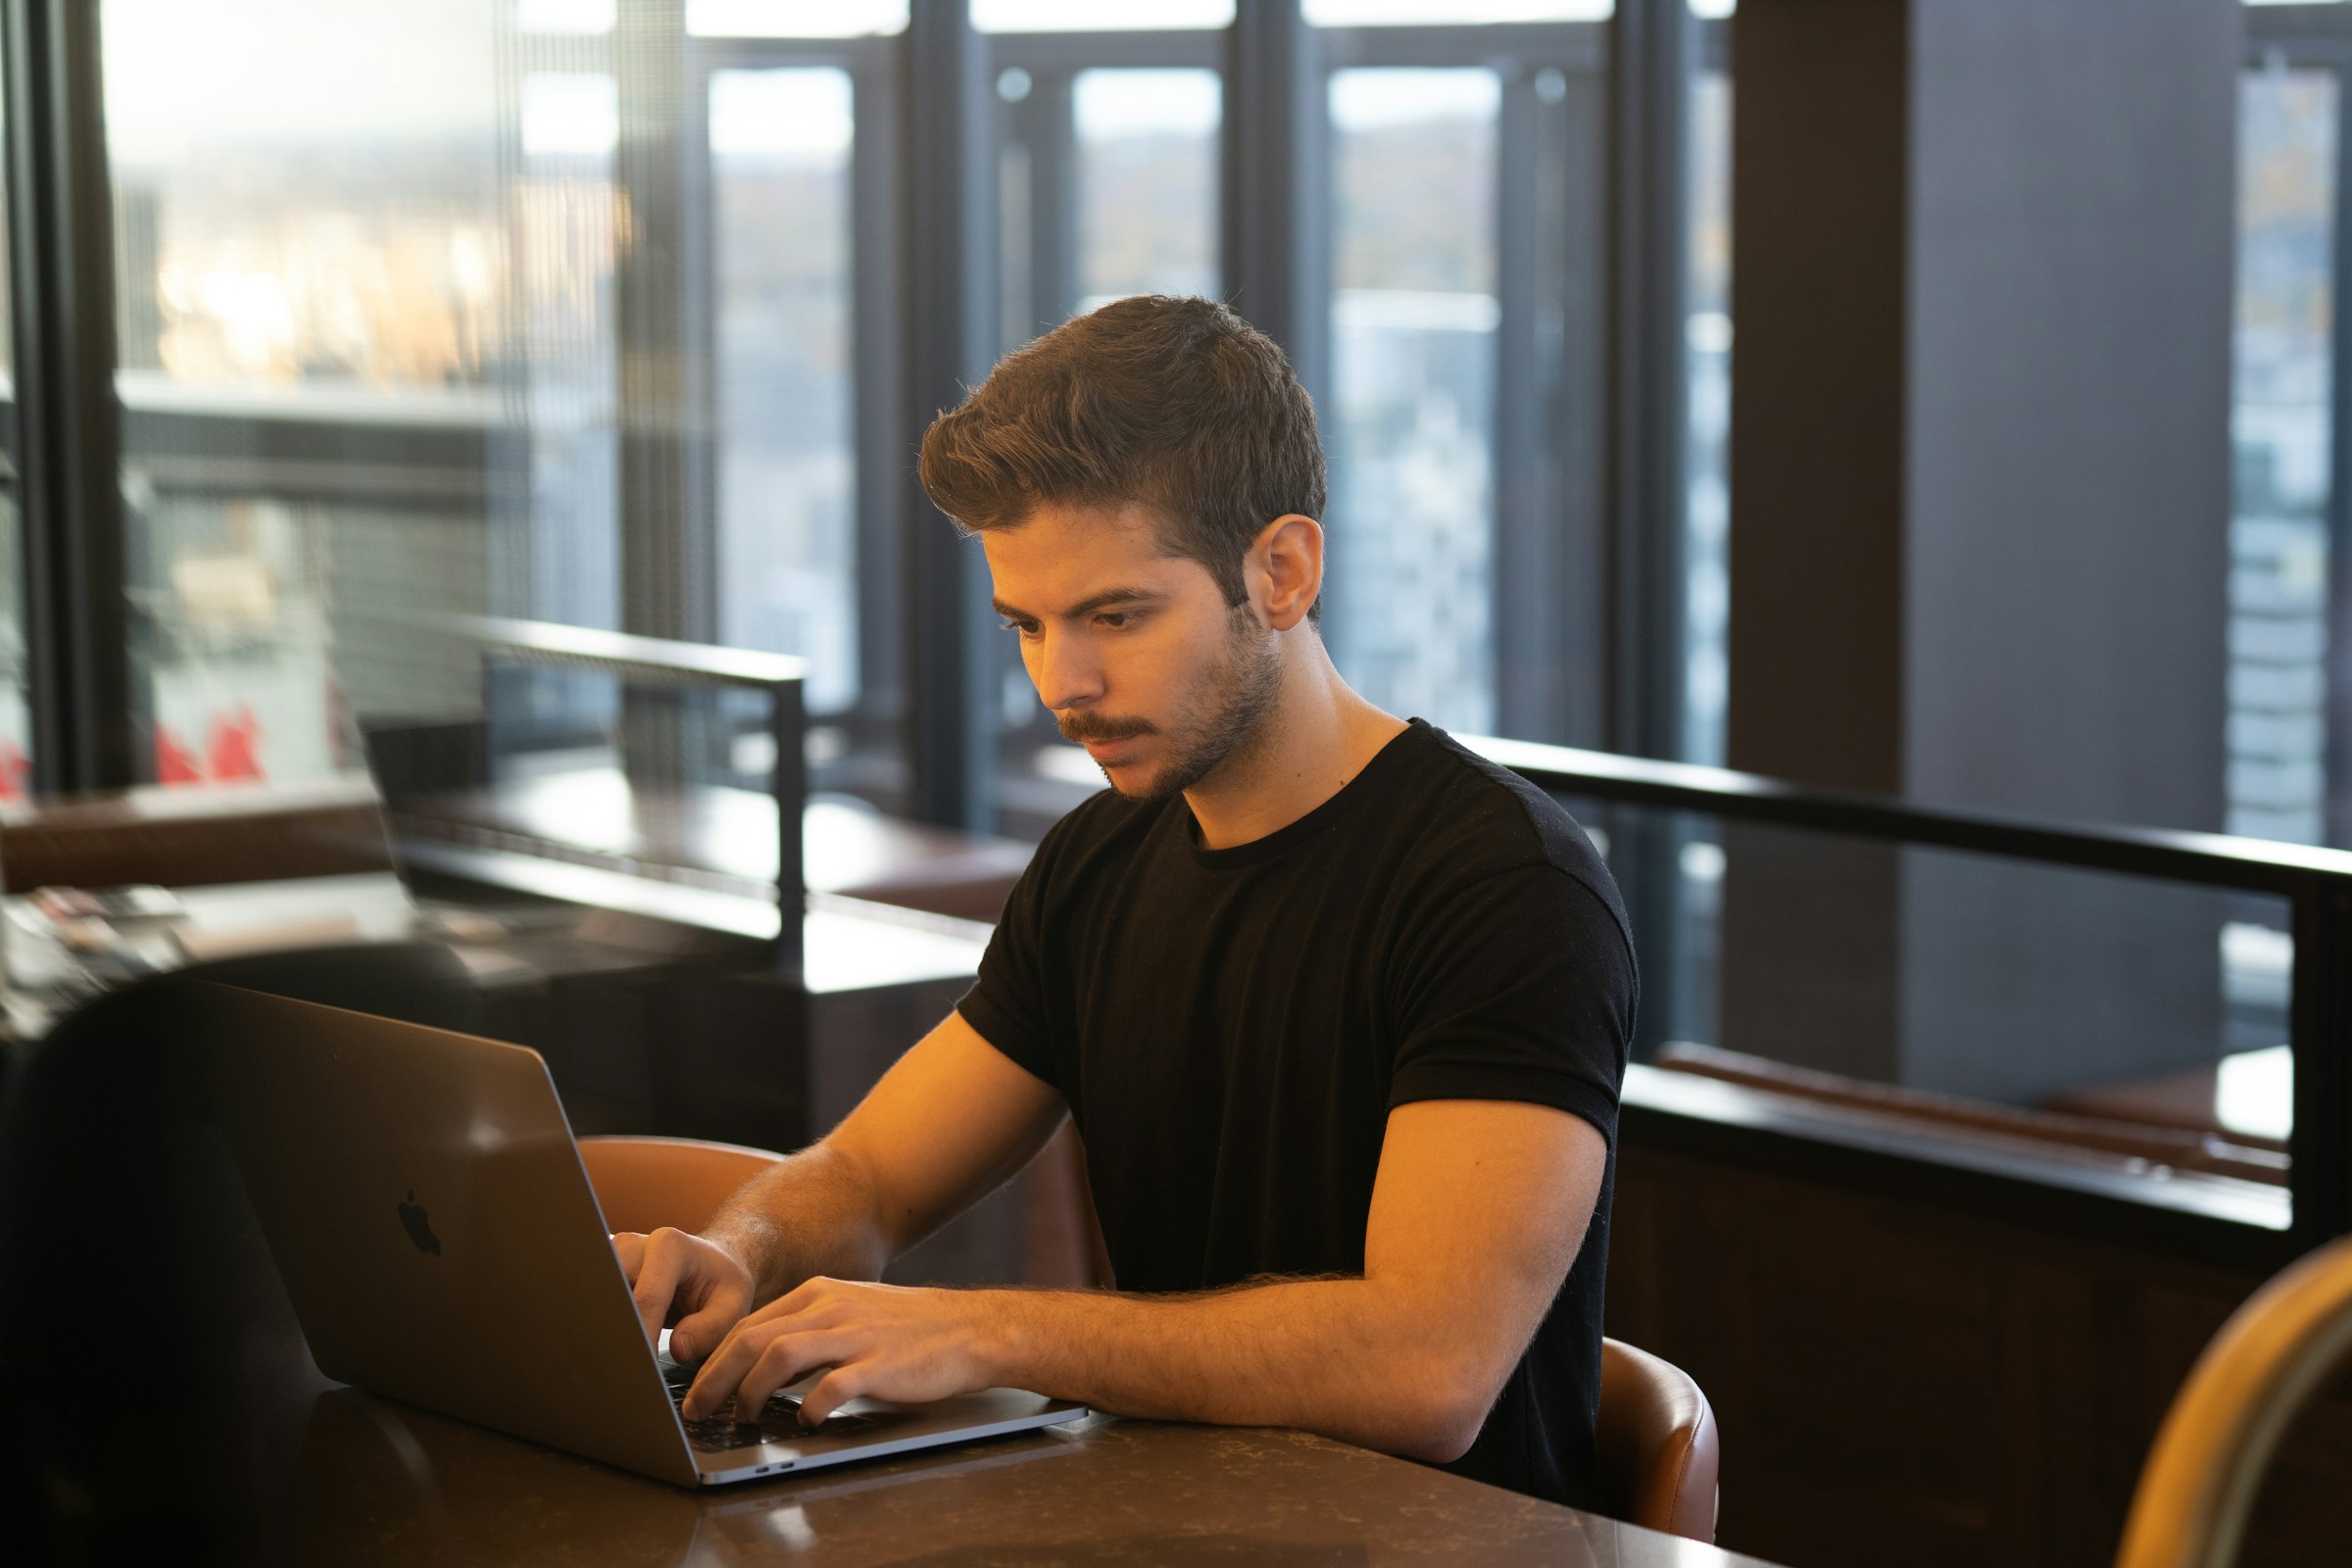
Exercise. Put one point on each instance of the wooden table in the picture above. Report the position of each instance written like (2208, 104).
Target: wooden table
(380, 1484)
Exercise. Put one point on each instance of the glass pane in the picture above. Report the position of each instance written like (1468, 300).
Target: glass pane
(1709, 369)
(312, 262)
(2069, 1012)
(788, 580)
(1410, 413)
(1092, 15)
(1147, 182)
(2280, 421)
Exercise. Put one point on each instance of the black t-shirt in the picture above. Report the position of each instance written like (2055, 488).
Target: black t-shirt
(1231, 1028)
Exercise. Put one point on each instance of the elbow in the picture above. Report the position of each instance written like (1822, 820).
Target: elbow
(1448, 1417)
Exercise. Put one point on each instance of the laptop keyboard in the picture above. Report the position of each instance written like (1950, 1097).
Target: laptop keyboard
(779, 1422)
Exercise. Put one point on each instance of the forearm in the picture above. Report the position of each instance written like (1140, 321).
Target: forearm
(1357, 1359)
(815, 1213)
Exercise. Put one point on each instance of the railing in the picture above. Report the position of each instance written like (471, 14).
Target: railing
(639, 662)
(2316, 883)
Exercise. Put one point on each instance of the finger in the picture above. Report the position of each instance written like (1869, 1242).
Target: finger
(725, 1368)
(629, 1248)
(831, 1392)
(656, 1283)
(709, 1325)
(789, 1357)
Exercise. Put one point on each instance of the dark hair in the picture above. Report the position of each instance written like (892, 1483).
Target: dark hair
(1176, 404)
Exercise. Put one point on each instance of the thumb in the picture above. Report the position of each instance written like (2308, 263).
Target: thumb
(697, 1334)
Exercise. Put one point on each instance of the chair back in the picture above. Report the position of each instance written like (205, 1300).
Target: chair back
(647, 1182)
(2201, 1477)
(1659, 1451)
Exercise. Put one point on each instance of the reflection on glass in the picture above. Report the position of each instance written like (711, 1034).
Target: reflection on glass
(1147, 182)
(1092, 15)
(1708, 365)
(2287, 123)
(1410, 414)
(310, 259)
(1972, 993)
(780, 145)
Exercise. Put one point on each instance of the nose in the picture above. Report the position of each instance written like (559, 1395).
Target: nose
(1064, 671)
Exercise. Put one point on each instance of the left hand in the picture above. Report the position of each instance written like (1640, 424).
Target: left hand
(884, 1340)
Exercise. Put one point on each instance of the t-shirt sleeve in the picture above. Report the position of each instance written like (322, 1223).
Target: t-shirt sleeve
(1007, 1005)
(1519, 987)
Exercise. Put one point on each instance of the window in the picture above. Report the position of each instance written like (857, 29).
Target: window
(1706, 619)
(1409, 419)
(2282, 432)
(1147, 182)
(780, 142)
(312, 301)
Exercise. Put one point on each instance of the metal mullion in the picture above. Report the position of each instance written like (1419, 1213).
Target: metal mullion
(949, 205)
(1522, 566)
(770, 54)
(1156, 49)
(1274, 197)
(1565, 45)
(2336, 738)
(2294, 25)
(83, 696)
(1045, 125)
(878, 393)
(1647, 401)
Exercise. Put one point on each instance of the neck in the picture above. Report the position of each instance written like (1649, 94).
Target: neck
(1317, 736)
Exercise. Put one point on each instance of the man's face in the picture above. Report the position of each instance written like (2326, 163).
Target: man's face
(1135, 651)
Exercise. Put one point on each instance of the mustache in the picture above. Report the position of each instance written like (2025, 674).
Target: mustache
(1083, 726)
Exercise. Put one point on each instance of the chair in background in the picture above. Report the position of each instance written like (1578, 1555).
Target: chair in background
(645, 1183)
(2226, 1423)
(1660, 1451)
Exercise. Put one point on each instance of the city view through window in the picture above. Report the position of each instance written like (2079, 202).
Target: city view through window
(392, 224)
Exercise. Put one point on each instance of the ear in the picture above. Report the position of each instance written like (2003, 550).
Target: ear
(1283, 570)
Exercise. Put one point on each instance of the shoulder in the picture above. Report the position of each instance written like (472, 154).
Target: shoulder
(1483, 820)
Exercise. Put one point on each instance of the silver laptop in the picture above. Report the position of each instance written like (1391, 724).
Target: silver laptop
(440, 1243)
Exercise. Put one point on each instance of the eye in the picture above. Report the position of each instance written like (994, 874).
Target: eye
(1027, 628)
(1115, 620)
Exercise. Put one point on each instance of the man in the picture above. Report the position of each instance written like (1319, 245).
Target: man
(1340, 1009)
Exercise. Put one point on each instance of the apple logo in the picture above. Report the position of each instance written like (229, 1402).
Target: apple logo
(421, 1230)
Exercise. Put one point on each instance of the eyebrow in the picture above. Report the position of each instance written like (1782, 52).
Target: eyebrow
(1087, 606)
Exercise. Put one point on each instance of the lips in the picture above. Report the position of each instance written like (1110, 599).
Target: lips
(1110, 753)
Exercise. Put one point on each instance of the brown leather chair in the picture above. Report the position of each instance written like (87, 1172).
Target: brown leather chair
(647, 1182)
(2226, 1421)
(1659, 1448)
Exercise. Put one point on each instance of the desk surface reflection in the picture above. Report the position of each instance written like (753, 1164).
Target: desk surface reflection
(382, 1484)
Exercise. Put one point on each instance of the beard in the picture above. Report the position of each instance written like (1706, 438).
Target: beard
(1224, 719)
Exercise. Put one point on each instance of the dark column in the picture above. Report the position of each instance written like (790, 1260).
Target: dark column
(79, 629)
(1273, 227)
(1980, 499)
(951, 275)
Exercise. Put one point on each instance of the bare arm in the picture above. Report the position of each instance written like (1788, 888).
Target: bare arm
(950, 1122)
(1477, 1211)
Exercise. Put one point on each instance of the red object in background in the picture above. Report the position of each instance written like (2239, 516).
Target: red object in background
(174, 763)
(16, 771)
(235, 748)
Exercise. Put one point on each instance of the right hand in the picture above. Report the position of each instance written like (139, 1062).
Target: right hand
(696, 1287)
